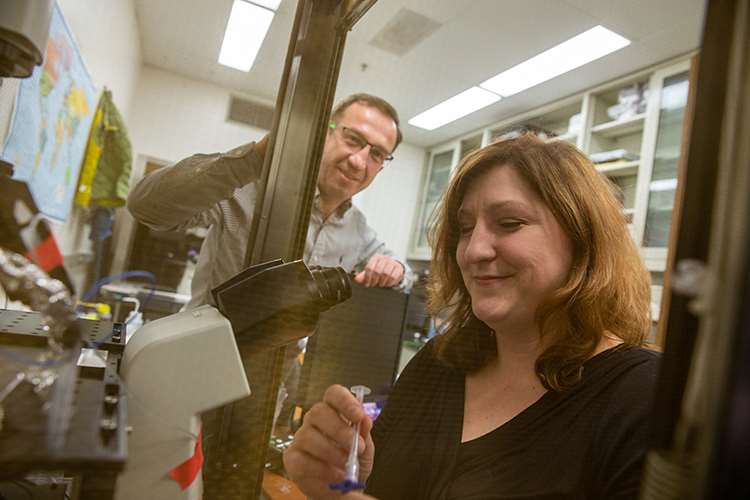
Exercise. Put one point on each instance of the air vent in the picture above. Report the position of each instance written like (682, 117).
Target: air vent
(250, 113)
(404, 32)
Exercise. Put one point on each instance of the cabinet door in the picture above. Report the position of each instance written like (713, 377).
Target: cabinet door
(663, 182)
(438, 175)
(657, 183)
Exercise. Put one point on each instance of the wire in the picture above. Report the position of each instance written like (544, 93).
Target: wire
(47, 363)
(95, 344)
(91, 293)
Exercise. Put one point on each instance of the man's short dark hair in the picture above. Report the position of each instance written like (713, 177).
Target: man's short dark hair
(369, 100)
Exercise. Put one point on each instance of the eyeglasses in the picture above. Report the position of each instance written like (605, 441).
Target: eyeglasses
(354, 140)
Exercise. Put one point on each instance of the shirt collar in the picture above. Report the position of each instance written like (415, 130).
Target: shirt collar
(340, 210)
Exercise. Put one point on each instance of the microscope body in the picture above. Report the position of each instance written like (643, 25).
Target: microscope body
(175, 368)
(179, 366)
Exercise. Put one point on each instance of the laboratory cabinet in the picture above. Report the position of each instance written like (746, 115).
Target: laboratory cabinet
(631, 128)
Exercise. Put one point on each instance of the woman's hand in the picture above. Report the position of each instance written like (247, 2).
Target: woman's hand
(317, 456)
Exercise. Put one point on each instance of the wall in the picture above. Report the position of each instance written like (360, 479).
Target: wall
(175, 117)
(107, 35)
(390, 203)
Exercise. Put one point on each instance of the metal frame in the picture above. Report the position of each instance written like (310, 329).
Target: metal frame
(236, 457)
(702, 381)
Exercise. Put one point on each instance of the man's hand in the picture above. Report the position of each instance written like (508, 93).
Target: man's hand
(317, 456)
(381, 271)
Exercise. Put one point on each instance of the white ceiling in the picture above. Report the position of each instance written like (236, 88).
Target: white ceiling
(477, 39)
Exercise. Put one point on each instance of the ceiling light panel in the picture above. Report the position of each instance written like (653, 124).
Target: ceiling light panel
(454, 108)
(570, 54)
(246, 30)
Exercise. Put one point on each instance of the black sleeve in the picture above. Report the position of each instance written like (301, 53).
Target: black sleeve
(621, 439)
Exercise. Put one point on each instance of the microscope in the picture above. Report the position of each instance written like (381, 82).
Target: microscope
(179, 366)
(110, 404)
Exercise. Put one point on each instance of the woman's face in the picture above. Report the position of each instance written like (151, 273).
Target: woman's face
(511, 251)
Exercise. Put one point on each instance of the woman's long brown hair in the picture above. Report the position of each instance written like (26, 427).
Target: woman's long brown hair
(607, 289)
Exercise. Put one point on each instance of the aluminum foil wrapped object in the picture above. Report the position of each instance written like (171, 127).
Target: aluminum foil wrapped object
(25, 282)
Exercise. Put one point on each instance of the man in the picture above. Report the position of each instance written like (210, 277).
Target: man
(219, 191)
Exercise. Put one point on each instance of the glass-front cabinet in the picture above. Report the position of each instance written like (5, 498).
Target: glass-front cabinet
(657, 179)
(632, 131)
(662, 181)
(443, 160)
(438, 174)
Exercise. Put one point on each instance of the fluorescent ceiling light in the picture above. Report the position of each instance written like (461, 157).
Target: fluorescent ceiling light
(246, 29)
(577, 51)
(454, 108)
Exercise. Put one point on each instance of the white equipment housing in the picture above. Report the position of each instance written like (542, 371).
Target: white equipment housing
(175, 368)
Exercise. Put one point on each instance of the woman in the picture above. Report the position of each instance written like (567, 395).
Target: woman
(539, 387)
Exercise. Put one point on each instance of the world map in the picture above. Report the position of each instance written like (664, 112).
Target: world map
(52, 117)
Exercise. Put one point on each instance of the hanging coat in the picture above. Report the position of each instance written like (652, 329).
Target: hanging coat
(105, 175)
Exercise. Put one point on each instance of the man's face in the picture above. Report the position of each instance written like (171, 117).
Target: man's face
(345, 169)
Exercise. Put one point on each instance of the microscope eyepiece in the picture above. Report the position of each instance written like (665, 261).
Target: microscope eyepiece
(274, 303)
(332, 284)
